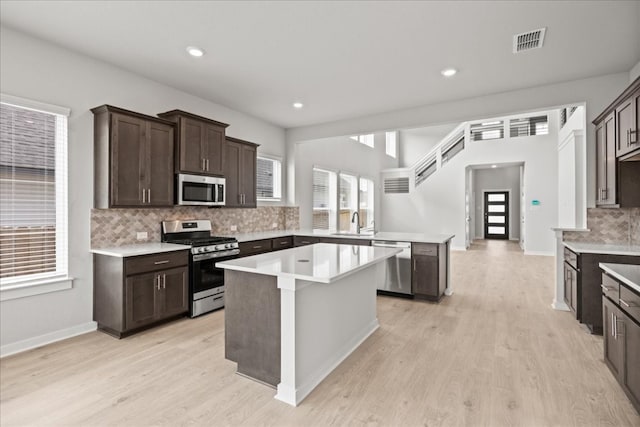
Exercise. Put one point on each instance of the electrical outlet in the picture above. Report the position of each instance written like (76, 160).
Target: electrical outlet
(274, 225)
(234, 228)
(142, 235)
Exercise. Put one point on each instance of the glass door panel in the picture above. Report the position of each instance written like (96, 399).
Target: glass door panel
(496, 215)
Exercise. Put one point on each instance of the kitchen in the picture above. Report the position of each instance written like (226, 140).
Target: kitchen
(83, 83)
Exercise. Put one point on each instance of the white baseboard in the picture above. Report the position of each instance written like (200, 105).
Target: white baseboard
(39, 341)
(540, 253)
(560, 306)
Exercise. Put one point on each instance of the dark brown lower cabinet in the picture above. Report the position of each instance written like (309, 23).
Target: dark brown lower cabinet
(254, 247)
(428, 270)
(304, 240)
(135, 292)
(570, 287)
(621, 322)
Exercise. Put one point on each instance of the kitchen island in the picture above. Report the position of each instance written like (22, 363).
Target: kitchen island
(292, 316)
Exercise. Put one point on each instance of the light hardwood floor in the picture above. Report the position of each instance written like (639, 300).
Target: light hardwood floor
(493, 354)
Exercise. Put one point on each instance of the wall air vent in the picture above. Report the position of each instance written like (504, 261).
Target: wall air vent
(529, 40)
(396, 185)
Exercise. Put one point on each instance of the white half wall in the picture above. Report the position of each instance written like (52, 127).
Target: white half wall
(340, 154)
(34, 69)
(498, 179)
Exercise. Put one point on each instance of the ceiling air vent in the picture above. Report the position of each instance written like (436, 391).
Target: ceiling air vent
(529, 40)
(396, 185)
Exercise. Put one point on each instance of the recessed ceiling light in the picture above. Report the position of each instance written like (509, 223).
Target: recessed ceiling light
(298, 105)
(494, 166)
(195, 51)
(449, 72)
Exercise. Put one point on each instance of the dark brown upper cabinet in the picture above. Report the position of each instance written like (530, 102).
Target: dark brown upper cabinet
(133, 159)
(240, 173)
(200, 143)
(618, 151)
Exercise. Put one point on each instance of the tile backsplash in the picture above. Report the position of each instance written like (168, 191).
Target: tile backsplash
(117, 227)
(609, 226)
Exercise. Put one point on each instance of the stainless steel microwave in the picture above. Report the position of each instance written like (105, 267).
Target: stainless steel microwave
(200, 190)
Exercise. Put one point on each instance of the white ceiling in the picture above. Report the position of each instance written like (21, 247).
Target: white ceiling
(341, 59)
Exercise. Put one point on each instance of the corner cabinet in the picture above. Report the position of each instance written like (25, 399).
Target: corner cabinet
(199, 143)
(618, 151)
(240, 173)
(136, 292)
(133, 156)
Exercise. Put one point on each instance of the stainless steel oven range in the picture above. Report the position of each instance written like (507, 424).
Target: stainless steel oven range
(206, 282)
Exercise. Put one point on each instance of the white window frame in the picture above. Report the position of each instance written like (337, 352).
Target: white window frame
(358, 177)
(391, 143)
(367, 139)
(277, 179)
(35, 284)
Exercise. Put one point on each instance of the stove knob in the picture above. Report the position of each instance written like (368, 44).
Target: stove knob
(219, 247)
(228, 245)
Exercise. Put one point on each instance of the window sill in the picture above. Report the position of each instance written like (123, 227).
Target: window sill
(35, 287)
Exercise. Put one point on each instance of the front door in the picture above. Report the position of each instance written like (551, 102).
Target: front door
(496, 215)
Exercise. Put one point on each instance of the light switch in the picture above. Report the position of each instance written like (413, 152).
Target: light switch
(142, 235)
(234, 228)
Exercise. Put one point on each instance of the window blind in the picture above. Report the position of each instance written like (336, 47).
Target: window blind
(33, 191)
(268, 179)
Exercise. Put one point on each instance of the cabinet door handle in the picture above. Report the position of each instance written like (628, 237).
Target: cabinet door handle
(202, 163)
(613, 325)
(626, 304)
(634, 133)
(164, 281)
(284, 243)
(158, 285)
(606, 288)
(149, 195)
(144, 195)
(207, 165)
(257, 247)
(166, 261)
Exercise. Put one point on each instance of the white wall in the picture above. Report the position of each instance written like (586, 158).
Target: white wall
(34, 69)
(438, 204)
(344, 154)
(498, 179)
(596, 92)
(634, 73)
(572, 196)
(415, 143)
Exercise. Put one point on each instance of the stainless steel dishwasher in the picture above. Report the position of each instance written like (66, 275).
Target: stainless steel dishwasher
(398, 271)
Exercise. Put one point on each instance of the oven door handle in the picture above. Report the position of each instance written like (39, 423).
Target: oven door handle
(212, 255)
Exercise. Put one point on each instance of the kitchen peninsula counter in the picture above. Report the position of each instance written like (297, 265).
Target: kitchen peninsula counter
(292, 316)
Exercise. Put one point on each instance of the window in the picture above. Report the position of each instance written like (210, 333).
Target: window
(348, 200)
(390, 139)
(486, 131)
(336, 196)
(364, 139)
(366, 204)
(529, 126)
(453, 147)
(33, 193)
(325, 185)
(268, 178)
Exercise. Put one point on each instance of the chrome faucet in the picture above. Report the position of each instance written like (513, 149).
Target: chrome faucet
(353, 219)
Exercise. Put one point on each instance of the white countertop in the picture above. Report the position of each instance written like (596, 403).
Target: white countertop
(626, 273)
(381, 235)
(139, 249)
(597, 248)
(322, 262)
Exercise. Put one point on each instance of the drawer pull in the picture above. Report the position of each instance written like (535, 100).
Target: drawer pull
(166, 261)
(257, 247)
(606, 288)
(626, 304)
(284, 243)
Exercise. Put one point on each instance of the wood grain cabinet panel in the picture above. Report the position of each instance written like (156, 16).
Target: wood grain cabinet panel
(200, 143)
(133, 155)
(240, 173)
(137, 292)
(429, 270)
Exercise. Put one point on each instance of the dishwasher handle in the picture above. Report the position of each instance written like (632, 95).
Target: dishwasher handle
(388, 244)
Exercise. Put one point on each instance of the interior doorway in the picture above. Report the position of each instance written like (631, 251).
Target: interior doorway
(496, 215)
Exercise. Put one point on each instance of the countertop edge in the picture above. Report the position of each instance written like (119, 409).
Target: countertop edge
(130, 251)
(301, 233)
(605, 267)
(612, 251)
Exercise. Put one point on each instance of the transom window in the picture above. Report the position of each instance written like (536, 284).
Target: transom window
(364, 139)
